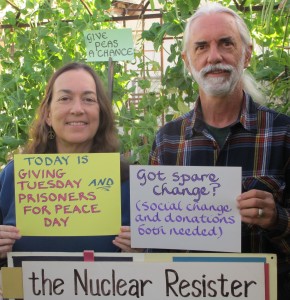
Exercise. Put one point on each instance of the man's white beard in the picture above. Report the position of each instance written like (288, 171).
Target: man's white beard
(220, 85)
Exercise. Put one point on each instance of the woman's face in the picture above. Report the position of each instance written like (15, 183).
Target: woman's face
(74, 112)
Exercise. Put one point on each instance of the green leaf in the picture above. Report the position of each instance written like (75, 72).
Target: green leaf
(103, 4)
(151, 34)
(11, 141)
(3, 4)
(174, 29)
(30, 4)
(4, 119)
(144, 84)
(10, 18)
(182, 107)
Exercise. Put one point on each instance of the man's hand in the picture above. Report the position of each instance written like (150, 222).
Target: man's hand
(257, 207)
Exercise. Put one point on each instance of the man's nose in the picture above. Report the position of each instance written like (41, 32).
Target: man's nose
(214, 55)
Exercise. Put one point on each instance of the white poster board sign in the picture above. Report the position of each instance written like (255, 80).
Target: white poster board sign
(146, 281)
(187, 208)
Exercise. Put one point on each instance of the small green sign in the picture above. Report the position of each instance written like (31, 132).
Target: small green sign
(117, 44)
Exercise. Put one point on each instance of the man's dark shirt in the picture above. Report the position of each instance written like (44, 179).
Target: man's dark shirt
(259, 142)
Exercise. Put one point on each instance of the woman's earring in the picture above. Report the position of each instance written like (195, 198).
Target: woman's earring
(51, 133)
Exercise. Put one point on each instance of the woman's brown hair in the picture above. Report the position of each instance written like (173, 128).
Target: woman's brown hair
(105, 139)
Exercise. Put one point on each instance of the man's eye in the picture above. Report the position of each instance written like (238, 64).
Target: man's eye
(200, 47)
(228, 43)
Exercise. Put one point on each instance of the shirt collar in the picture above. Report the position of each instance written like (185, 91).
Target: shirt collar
(197, 120)
(248, 116)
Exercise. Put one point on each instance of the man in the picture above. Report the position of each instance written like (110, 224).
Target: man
(227, 128)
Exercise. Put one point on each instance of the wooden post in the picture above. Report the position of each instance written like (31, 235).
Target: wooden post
(110, 79)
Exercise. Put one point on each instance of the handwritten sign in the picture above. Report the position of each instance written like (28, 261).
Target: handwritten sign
(111, 43)
(147, 281)
(67, 194)
(187, 208)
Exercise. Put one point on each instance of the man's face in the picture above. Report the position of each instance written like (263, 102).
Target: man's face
(216, 55)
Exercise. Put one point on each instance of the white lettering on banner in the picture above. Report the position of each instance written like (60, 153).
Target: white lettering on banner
(143, 280)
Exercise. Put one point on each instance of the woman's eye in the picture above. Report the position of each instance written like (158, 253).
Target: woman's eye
(64, 98)
(90, 100)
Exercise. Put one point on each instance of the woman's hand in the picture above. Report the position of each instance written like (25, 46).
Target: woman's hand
(8, 236)
(123, 240)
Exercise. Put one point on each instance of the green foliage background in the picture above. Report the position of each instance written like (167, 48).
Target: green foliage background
(29, 55)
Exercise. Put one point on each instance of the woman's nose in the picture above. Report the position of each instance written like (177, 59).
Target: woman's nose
(77, 106)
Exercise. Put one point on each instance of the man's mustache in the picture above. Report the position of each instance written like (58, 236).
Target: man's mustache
(216, 68)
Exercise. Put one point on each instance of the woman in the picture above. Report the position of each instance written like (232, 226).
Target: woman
(75, 116)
